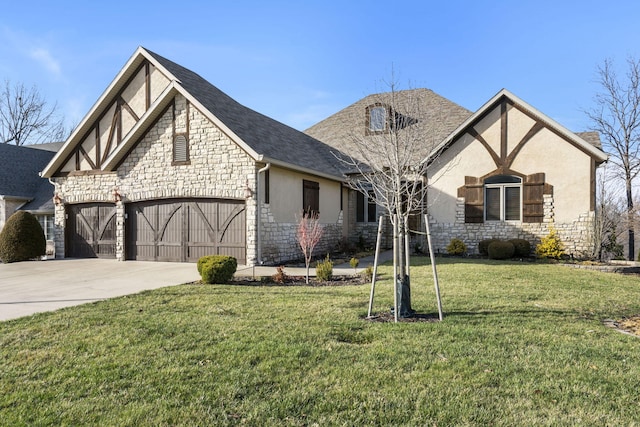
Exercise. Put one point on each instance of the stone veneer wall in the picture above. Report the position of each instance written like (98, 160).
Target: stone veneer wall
(279, 242)
(218, 169)
(575, 235)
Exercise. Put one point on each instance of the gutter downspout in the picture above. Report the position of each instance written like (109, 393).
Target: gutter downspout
(259, 213)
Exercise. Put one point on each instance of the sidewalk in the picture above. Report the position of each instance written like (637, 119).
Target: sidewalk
(338, 270)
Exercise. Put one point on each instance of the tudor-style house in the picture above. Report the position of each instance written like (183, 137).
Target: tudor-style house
(166, 167)
(505, 171)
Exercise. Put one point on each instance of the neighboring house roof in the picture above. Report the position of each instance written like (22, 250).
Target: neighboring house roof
(47, 146)
(436, 118)
(265, 139)
(19, 167)
(588, 146)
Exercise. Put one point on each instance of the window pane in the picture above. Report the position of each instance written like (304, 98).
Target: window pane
(512, 203)
(492, 204)
(371, 211)
(359, 207)
(377, 118)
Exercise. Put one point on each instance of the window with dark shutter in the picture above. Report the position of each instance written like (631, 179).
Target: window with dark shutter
(473, 199)
(310, 197)
(266, 186)
(534, 189)
(502, 198)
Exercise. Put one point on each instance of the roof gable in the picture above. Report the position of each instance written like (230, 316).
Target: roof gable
(589, 145)
(264, 139)
(432, 118)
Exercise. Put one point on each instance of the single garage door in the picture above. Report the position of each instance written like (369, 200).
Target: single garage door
(91, 230)
(185, 230)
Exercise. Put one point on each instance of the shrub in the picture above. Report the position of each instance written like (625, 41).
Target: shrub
(22, 238)
(456, 247)
(354, 262)
(367, 273)
(324, 269)
(499, 249)
(523, 247)
(217, 268)
(550, 246)
(280, 276)
(483, 246)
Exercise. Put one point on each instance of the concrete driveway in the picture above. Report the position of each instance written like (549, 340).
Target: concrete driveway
(36, 286)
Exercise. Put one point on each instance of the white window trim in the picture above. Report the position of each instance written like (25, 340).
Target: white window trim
(503, 206)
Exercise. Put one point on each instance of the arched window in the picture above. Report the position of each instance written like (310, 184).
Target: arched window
(503, 198)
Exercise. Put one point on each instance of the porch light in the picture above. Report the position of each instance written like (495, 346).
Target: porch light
(248, 192)
(57, 200)
(116, 195)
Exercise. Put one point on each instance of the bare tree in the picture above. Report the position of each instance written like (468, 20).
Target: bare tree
(616, 117)
(608, 219)
(26, 118)
(388, 166)
(309, 233)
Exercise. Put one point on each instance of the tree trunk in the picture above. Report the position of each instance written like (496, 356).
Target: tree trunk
(403, 284)
(630, 220)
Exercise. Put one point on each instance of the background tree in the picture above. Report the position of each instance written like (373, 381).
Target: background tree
(26, 118)
(309, 233)
(388, 166)
(609, 217)
(616, 117)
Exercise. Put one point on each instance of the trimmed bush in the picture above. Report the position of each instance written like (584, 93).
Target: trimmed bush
(523, 247)
(456, 247)
(324, 269)
(500, 249)
(22, 238)
(550, 246)
(217, 268)
(483, 246)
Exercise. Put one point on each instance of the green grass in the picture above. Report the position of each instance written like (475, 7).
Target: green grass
(521, 344)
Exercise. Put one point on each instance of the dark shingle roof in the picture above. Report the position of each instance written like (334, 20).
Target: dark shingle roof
(19, 171)
(436, 118)
(264, 135)
(592, 138)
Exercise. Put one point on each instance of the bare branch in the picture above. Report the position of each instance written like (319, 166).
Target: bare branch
(25, 117)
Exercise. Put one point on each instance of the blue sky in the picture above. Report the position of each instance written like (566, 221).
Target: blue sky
(301, 61)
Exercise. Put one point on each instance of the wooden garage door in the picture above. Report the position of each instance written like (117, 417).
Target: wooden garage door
(185, 230)
(91, 230)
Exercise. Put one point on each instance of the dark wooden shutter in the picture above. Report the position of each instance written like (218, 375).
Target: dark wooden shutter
(534, 189)
(473, 199)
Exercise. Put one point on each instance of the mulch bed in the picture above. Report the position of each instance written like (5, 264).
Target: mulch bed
(388, 316)
(300, 281)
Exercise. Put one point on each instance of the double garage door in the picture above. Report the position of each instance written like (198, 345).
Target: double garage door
(180, 230)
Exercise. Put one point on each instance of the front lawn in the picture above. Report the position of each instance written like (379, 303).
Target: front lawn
(521, 344)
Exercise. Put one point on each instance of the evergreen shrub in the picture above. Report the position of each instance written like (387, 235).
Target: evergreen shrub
(22, 238)
(500, 249)
(483, 246)
(523, 247)
(456, 247)
(550, 246)
(217, 268)
(324, 269)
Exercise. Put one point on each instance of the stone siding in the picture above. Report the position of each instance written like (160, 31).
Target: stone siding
(575, 235)
(279, 242)
(218, 168)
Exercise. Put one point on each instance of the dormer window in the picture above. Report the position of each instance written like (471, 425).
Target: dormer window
(377, 119)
